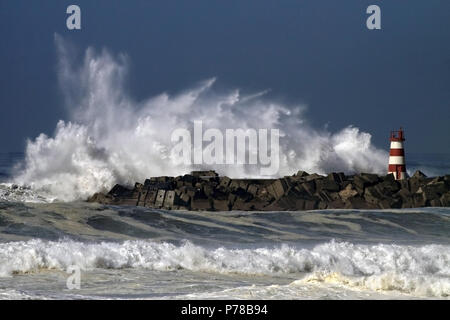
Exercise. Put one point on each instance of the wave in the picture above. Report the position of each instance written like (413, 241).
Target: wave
(12, 192)
(111, 138)
(409, 283)
(422, 270)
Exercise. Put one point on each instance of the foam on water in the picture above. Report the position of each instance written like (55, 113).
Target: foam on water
(418, 270)
(22, 193)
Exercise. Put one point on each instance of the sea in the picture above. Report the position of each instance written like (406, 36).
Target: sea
(77, 250)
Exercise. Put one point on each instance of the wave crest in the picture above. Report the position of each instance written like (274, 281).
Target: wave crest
(423, 270)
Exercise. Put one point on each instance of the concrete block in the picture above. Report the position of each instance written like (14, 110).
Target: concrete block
(160, 198)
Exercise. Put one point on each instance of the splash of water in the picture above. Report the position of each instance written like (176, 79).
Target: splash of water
(110, 138)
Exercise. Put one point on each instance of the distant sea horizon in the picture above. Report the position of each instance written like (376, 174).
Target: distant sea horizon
(431, 164)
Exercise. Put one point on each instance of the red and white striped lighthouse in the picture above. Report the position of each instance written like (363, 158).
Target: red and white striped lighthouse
(397, 155)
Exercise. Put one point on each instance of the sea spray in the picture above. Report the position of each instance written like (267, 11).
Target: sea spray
(110, 138)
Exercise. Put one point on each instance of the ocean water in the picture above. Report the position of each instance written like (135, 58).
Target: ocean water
(140, 253)
(108, 137)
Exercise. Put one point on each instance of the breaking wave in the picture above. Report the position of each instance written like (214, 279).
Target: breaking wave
(21, 193)
(423, 270)
(110, 138)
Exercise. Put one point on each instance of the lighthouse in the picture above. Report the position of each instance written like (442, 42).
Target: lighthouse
(397, 155)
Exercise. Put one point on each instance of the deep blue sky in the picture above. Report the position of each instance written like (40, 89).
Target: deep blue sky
(317, 52)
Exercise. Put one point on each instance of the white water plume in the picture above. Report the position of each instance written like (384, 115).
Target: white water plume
(111, 138)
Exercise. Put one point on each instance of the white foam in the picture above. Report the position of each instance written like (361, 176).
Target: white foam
(15, 193)
(409, 283)
(423, 270)
(111, 138)
(11, 294)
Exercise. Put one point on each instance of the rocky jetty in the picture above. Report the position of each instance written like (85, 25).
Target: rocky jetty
(205, 190)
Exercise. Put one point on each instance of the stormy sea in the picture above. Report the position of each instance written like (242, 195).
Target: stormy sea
(140, 253)
(108, 137)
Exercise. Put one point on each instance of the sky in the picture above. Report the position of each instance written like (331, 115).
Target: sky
(313, 52)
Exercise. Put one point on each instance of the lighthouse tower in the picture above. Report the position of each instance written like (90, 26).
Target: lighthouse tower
(397, 155)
